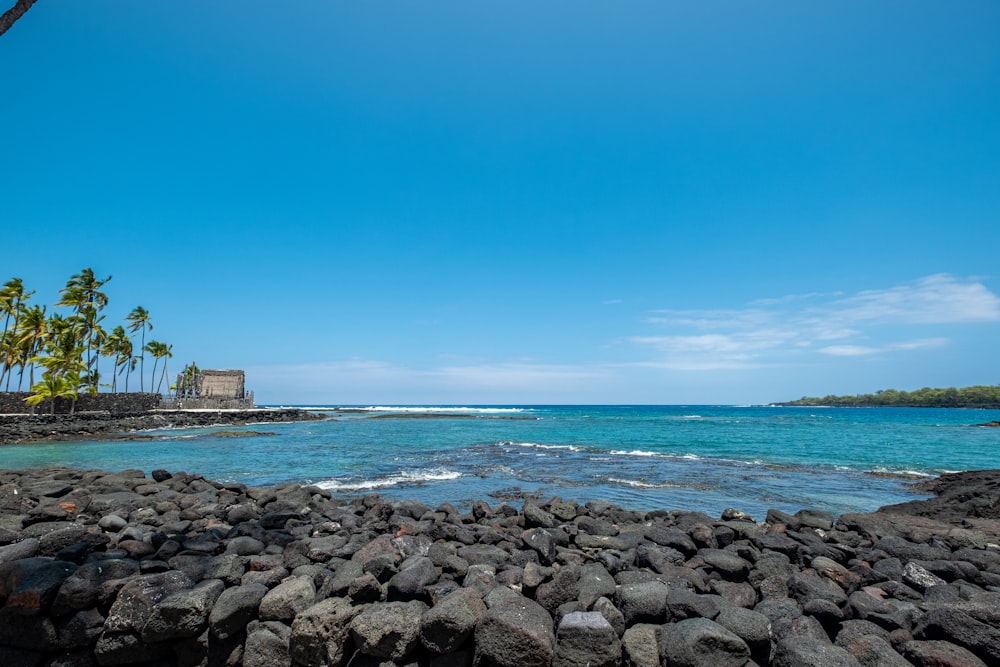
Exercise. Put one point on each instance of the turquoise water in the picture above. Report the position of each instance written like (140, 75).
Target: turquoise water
(704, 458)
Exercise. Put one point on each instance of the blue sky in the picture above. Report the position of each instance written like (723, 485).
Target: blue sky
(521, 202)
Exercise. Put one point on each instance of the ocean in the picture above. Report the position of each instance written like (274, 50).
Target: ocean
(704, 458)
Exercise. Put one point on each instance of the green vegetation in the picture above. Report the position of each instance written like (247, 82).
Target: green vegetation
(68, 346)
(969, 397)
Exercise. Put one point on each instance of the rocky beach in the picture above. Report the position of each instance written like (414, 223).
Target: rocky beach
(170, 568)
(20, 428)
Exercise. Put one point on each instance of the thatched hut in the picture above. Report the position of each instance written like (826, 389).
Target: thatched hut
(223, 385)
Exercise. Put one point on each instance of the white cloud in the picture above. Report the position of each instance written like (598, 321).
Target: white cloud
(849, 350)
(772, 332)
(864, 350)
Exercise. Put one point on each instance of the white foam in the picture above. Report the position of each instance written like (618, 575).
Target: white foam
(634, 452)
(535, 445)
(435, 409)
(636, 483)
(405, 477)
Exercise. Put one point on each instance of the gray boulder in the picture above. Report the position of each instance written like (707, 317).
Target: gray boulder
(135, 601)
(414, 574)
(796, 651)
(29, 585)
(586, 639)
(234, 609)
(750, 626)
(320, 635)
(515, 633)
(644, 602)
(873, 651)
(939, 653)
(564, 587)
(959, 628)
(388, 629)
(595, 582)
(267, 645)
(450, 624)
(641, 646)
(287, 599)
(699, 642)
(182, 614)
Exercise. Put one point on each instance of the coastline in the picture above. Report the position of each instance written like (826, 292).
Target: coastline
(127, 568)
(24, 428)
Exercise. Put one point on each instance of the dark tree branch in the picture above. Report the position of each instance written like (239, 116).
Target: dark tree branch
(13, 14)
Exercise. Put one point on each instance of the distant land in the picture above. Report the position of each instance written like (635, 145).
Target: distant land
(968, 397)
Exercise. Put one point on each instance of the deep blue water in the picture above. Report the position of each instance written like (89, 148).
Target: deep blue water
(702, 458)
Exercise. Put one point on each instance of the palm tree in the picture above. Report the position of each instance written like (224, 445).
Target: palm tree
(187, 381)
(50, 388)
(159, 351)
(138, 320)
(117, 346)
(29, 337)
(12, 298)
(83, 294)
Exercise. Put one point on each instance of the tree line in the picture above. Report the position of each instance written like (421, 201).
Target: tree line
(967, 397)
(65, 348)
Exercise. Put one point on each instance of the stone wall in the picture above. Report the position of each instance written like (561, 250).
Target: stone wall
(12, 402)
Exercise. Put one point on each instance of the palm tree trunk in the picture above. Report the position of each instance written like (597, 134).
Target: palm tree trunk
(14, 13)
(156, 360)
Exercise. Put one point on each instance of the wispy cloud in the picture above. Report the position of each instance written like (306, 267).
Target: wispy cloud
(867, 350)
(776, 331)
(937, 299)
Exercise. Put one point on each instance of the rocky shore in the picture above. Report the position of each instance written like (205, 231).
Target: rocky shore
(32, 428)
(173, 569)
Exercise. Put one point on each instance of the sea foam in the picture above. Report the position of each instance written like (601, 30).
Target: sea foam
(404, 477)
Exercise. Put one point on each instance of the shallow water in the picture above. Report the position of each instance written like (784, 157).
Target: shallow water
(702, 458)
